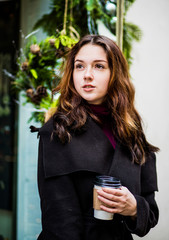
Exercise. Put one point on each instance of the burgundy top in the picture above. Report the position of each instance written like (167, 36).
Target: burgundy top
(104, 116)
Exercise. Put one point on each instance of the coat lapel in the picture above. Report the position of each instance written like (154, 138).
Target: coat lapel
(89, 151)
(124, 169)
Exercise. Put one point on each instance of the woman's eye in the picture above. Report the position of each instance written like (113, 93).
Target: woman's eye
(99, 66)
(79, 66)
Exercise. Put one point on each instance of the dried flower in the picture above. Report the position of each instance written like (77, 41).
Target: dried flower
(41, 91)
(37, 96)
(30, 92)
(24, 65)
(52, 41)
(35, 49)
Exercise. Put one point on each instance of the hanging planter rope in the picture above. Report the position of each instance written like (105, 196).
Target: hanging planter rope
(65, 17)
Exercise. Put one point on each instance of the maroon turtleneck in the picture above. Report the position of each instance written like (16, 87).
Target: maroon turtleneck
(104, 116)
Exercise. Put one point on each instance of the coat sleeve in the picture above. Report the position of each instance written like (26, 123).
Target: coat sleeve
(147, 209)
(61, 213)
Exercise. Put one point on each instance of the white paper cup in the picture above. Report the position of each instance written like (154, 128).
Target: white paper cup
(100, 182)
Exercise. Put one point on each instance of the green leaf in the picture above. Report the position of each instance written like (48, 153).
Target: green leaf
(90, 5)
(63, 40)
(57, 42)
(34, 73)
(31, 56)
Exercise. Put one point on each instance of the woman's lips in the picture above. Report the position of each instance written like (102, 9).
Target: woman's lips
(88, 88)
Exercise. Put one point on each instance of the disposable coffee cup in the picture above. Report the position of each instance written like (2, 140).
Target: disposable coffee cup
(99, 183)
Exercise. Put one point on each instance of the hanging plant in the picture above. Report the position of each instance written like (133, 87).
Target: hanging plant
(39, 68)
(86, 14)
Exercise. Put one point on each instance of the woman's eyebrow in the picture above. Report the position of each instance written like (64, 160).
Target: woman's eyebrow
(97, 60)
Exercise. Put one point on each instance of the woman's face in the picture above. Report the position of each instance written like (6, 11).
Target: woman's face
(91, 73)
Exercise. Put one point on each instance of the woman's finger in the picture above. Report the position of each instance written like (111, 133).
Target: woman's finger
(108, 209)
(109, 197)
(108, 203)
(111, 194)
(114, 191)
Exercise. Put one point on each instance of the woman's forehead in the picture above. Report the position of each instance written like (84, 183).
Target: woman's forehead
(91, 51)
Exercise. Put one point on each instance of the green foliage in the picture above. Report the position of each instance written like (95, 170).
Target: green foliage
(39, 71)
(127, 4)
(86, 13)
(131, 32)
(52, 23)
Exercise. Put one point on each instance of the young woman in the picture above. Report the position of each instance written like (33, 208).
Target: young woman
(96, 130)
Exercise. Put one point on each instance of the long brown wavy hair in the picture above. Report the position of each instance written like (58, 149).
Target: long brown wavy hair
(73, 110)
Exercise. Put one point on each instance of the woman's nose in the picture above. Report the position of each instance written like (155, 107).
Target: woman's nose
(88, 74)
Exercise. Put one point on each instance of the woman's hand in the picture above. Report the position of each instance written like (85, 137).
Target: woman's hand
(119, 201)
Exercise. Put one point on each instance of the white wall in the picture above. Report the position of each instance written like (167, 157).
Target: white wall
(150, 73)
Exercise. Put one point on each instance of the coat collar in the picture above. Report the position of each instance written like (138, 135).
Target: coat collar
(89, 151)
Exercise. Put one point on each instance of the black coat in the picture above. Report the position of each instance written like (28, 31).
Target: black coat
(65, 179)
